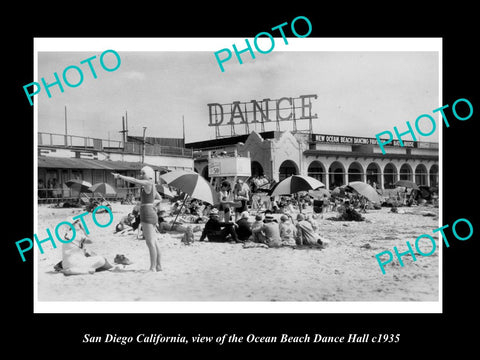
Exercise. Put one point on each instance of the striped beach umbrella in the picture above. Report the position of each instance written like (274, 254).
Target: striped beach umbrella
(192, 184)
(164, 190)
(78, 185)
(295, 184)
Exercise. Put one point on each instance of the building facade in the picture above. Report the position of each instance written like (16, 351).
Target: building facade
(334, 160)
(62, 158)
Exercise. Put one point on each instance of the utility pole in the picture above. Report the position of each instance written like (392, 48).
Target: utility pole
(143, 149)
(66, 133)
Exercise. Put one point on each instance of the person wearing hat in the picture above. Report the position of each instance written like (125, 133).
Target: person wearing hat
(216, 230)
(243, 228)
(269, 233)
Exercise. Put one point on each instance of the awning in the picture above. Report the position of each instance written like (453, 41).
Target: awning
(51, 162)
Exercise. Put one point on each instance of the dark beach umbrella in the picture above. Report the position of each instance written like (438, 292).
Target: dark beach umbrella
(365, 190)
(407, 184)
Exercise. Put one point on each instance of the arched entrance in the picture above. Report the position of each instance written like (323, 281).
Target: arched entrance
(406, 172)
(355, 172)
(374, 174)
(317, 171)
(434, 175)
(287, 168)
(389, 176)
(256, 169)
(337, 174)
(421, 175)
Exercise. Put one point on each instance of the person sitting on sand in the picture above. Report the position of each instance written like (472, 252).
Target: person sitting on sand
(76, 259)
(350, 214)
(125, 224)
(217, 231)
(243, 228)
(269, 233)
(288, 231)
(306, 234)
(256, 226)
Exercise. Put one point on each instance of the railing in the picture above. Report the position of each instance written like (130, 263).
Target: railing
(62, 194)
(88, 143)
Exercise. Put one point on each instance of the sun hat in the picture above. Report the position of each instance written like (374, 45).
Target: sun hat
(213, 212)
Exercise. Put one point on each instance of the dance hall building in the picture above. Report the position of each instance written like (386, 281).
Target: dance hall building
(333, 159)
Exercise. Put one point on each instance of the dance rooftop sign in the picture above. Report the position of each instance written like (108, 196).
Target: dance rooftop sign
(265, 111)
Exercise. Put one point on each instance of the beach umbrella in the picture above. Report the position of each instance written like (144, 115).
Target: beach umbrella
(78, 185)
(102, 188)
(295, 184)
(365, 190)
(164, 190)
(318, 194)
(192, 184)
(407, 183)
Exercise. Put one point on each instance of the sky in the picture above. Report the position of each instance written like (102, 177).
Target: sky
(360, 93)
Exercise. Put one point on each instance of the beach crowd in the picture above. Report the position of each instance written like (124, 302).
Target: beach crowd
(254, 219)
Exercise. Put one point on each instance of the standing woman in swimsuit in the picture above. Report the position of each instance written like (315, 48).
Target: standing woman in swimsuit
(148, 215)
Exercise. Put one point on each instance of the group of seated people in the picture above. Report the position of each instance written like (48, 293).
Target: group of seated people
(264, 230)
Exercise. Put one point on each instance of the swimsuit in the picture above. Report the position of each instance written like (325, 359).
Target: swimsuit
(147, 212)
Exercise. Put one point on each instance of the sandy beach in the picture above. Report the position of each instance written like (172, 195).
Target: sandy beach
(344, 271)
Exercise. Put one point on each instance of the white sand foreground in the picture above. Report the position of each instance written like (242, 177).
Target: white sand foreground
(345, 271)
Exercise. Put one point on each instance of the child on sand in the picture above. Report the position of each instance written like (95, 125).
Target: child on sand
(288, 231)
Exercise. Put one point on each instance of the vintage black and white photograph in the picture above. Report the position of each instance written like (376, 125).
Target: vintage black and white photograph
(294, 180)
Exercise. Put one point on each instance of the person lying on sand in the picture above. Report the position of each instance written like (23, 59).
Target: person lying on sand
(76, 259)
(164, 226)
